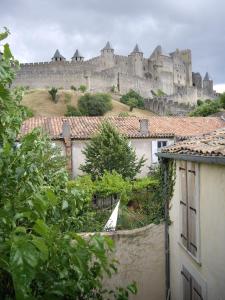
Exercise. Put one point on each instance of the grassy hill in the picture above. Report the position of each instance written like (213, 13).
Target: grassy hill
(39, 101)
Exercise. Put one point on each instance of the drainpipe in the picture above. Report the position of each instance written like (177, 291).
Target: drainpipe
(166, 211)
(68, 144)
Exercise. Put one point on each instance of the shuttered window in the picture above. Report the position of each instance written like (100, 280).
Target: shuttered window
(189, 203)
(191, 288)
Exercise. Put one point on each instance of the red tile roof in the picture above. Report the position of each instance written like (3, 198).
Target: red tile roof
(212, 144)
(85, 127)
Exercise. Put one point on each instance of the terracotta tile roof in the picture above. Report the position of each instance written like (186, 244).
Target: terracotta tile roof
(212, 144)
(85, 127)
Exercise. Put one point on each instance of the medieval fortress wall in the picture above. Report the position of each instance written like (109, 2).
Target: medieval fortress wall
(170, 73)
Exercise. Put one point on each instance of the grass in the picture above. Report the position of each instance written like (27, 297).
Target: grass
(39, 101)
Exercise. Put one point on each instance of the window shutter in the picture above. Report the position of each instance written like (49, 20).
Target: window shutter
(186, 279)
(183, 203)
(192, 208)
(196, 290)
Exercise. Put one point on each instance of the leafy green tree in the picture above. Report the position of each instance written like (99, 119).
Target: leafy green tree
(53, 92)
(133, 95)
(94, 104)
(109, 150)
(82, 88)
(41, 256)
(132, 103)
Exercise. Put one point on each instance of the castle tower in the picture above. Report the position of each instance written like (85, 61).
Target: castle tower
(136, 61)
(186, 57)
(58, 57)
(107, 55)
(77, 56)
(207, 85)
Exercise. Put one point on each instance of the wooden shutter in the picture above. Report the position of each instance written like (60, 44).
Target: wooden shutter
(186, 281)
(192, 208)
(196, 290)
(183, 202)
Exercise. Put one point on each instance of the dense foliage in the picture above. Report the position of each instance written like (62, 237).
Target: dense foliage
(94, 104)
(109, 150)
(208, 107)
(133, 95)
(41, 256)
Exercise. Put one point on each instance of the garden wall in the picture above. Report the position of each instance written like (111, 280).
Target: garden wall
(141, 256)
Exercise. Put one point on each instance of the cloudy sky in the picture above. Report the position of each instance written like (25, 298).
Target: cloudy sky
(38, 28)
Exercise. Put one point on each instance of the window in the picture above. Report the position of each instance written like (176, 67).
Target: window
(161, 144)
(192, 290)
(189, 207)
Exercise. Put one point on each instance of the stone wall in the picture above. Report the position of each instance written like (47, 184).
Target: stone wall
(141, 256)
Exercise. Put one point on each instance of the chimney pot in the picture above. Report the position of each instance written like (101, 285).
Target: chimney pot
(144, 126)
(66, 130)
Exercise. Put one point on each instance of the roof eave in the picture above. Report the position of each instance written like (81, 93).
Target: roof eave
(218, 160)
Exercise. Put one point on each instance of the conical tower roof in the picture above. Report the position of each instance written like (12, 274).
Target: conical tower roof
(136, 49)
(108, 46)
(77, 54)
(207, 77)
(58, 55)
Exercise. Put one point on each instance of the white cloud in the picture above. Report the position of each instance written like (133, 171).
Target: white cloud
(220, 88)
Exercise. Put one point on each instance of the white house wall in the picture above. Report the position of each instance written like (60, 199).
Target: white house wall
(143, 147)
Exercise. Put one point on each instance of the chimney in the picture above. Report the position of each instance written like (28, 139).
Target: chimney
(144, 126)
(68, 144)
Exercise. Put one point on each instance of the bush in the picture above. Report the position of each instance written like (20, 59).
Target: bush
(27, 111)
(133, 95)
(82, 88)
(53, 92)
(72, 111)
(94, 104)
(73, 88)
(222, 100)
(113, 89)
(206, 109)
(132, 103)
(123, 114)
(199, 102)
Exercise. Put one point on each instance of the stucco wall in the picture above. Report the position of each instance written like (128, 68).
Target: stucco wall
(140, 253)
(143, 147)
(211, 270)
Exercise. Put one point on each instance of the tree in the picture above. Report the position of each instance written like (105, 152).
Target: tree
(132, 103)
(53, 92)
(133, 95)
(108, 150)
(41, 255)
(94, 104)
(206, 109)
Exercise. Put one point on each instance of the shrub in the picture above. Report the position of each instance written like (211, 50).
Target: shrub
(94, 104)
(53, 92)
(133, 95)
(73, 88)
(199, 102)
(72, 111)
(108, 150)
(206, 109)
(113, 89)
(222, 100)
(123, 114)
(27, 111)
(82, 88)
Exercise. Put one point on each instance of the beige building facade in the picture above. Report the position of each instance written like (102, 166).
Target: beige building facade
(196, 235)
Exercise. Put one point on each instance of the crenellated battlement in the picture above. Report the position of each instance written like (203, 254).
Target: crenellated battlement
(168, 72)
